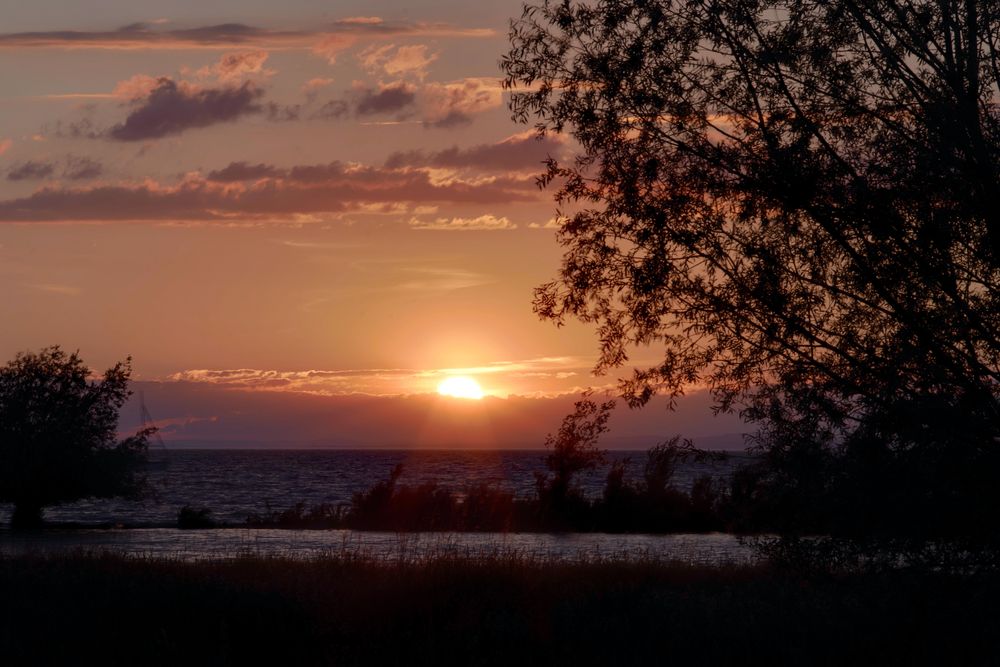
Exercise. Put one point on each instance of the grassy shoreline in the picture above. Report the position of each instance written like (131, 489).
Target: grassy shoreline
(491, 610)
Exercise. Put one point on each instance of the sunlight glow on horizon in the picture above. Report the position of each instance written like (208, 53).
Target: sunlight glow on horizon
(460, 386)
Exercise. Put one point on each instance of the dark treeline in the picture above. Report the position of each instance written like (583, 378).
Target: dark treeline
(783, 493)
(652, 504)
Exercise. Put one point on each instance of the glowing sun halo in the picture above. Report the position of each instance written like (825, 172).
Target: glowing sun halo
(460, 387)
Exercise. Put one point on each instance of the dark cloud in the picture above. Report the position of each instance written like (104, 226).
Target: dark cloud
(142, 35)
(85, 128)
(333, 109)
(309, 189)
(520, 152)
(243, 171)
(398, 98)
(137, 35)
(283, 113)
(31, 170)
(390, 99)
(80, 168)
(453, 118)
(171, 108)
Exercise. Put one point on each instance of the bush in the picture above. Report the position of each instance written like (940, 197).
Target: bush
(191, 517)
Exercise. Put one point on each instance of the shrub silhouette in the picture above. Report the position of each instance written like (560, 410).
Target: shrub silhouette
(191, 517)
(572, 449)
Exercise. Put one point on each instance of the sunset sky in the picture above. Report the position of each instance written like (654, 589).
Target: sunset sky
(298, 220)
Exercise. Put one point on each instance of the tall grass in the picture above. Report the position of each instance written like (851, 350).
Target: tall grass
(494, 609)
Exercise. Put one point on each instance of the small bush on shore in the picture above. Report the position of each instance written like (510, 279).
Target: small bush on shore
(192, 517)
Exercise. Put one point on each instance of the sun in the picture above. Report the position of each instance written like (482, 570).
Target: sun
(459, 386)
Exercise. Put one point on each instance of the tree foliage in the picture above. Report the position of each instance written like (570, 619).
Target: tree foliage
(573, 449)
(796, 201)
(58, 433)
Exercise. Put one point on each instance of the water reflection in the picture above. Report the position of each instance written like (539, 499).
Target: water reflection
(703, 549)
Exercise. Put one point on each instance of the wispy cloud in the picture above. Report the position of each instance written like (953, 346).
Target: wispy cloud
(75, 168)
(499, 378)
(64, 290)
(482, 223)
(229, 35)
(440, 280)
(30, 170)
(286, 194)
(520, 152)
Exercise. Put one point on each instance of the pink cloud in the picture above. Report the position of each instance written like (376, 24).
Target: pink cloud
(312, 87)
(456, 102)
(235, 68)
(136, 87)
(332, 45)
(412, 60)
(482, 223)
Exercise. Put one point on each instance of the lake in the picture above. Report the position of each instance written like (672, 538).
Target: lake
(237, 483)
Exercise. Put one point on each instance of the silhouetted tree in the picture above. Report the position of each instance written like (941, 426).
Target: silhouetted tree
(58, 434)
(572, 450)
(797, 202)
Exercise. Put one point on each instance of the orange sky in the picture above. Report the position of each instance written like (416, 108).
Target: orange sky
(317, 200)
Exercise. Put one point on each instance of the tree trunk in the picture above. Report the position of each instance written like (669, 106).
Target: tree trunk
(26, 516)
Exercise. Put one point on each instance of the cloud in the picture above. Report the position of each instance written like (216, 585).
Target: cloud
(555, 222)
(218, 414)
(30, 170)
(482, 223)
(396, 61)
(243, 171)
(235, 68)
(333, 109)
(74, 168)
(136, 87)
(520, 152)
(331, 46)
(229, 35)
(456, 102)
(5, 145)
(442, 104)
(391, 98)
(390, 381)
(81, 168)
(312, 87)
(171, 108)
(282, 113)
(362, 100)
(63, 290)
(283, 195)
(440, 280)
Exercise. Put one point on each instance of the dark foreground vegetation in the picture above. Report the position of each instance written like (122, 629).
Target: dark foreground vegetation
(492, 610)
(651, 505)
